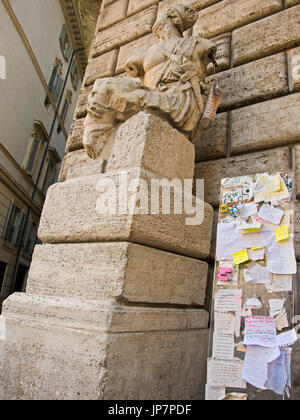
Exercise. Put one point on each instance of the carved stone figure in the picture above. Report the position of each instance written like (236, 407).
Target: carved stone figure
(169, 77)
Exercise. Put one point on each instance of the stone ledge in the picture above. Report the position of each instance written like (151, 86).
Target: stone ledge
(70, 215)
(120, 270)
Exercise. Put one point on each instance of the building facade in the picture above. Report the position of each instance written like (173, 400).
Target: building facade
(42, 63)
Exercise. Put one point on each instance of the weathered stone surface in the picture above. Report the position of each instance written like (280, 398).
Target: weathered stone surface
(75, 137)
(127, 30)
(212, 142)
(102, 66)
(134, 47)
(265, 125)
(147, 142)
(136, 6)
(81, 108)
(74, 211)
(82, 349)
(214, 171)
(117, 270)
(77, 163)
(196, 4)
(112, 11)
(259, 80)
(294, 60)
(290, 3)
(223, 53)
(280, 31)
(297, 169)
(229, 14)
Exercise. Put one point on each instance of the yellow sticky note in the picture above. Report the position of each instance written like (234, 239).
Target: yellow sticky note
(240, 257)
(257, 248)
(252, 230)
(282, 233)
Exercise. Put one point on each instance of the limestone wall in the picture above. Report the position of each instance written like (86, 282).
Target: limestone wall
(258, 125)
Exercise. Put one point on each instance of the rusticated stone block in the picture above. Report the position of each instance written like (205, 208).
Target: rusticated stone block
(74, 212)
(294, 59)
(229, 14)
(259, 80)
(102, 66)
(112, 11)
(129, 29)
(75, 349)
(214, 171)
(280, 31)
(81, 108)
(75, 137)
(223, 53)
(147, 142)
(136, 6)
(196, 4)
(133, 48)
(212, 142)
(117, 270)
(77, 163)
(266, 125)
(290, 3)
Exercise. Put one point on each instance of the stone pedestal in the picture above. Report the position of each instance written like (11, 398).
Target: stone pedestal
(112, 309)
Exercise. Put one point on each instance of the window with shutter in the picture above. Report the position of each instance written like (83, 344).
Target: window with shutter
(30, 238)
(65, 44)
(14, 225)
(3, 266)
(33, 155)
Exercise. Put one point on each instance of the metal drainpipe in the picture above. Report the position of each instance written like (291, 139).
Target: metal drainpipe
(20, 248)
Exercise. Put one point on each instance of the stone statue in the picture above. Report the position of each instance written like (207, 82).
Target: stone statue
(169, 78)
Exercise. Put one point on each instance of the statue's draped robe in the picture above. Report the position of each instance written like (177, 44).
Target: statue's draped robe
(178, 80)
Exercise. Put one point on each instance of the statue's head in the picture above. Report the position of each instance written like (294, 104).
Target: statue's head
(183, 17)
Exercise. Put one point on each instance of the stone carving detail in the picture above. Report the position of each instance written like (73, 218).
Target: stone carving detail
(169, 78)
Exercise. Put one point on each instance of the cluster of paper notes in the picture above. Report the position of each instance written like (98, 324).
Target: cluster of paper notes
(255, 263)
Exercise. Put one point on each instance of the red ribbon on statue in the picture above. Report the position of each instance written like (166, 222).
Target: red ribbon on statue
(211, 107)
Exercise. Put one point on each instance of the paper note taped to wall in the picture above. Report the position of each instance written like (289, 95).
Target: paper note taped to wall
(240, 257)
(214, 393)
(260, 331)
(282, 233)
(228, 300)
(225, 373)
(281, 257)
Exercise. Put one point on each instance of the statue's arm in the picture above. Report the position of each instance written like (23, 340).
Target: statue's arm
(134, 66)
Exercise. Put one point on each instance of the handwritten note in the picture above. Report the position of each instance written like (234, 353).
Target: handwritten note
(255, 370)
(249, 209)
(280, 283)
(228, 300)
(214, 393)
(256, 254)
(271, 214)
(260, 331)
(225, 373)
(223, 346)
(224, 323)
(281, 257)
